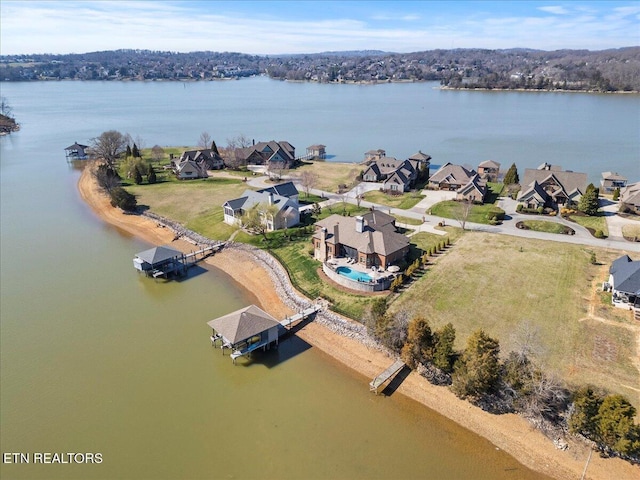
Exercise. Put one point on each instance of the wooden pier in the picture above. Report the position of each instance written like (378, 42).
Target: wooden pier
(288, 322)
(390, 372)
(164, 261)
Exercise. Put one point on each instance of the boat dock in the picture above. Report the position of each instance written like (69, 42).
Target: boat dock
(251, 328)
(164, 261)
(390, 372)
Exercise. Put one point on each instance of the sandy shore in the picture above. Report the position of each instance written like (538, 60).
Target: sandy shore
(510, 433)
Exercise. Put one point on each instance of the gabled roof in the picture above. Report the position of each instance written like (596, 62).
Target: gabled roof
(373, 167)
(420, 157)
(476, 184)
(489, 164)
(287, 189)
(567, 180)
(76, 146)
(266, 150)
(381, 239)
(451, 173)
(631, 194)
(626, 275)
(158, 254)
(535, 191)
(243, 324)
(612, 176)
(250, 199)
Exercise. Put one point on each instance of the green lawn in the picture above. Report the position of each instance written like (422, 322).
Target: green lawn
(598, 222)
(545, 226)
(499, 283)
(451, 209)
(408, 220)
(404, 201)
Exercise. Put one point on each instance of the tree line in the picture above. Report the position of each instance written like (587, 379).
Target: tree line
(516, 383)
(606, 70)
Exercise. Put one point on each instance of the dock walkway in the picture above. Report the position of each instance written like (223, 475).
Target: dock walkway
(378, 381)
(287, 322)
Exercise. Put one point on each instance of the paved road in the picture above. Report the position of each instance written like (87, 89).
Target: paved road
(508, 227)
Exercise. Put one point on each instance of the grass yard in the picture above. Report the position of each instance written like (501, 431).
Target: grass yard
(330, 174)
(404, 201)
(594, 223)
(498, 283)
(197, 204)
(544, 226)
(451, 209)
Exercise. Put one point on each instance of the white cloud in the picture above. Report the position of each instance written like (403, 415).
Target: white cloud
(556, 10)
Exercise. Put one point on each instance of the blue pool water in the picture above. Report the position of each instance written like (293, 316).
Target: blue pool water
(353, 274)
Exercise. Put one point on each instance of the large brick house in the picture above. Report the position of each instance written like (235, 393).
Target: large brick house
(370, 239)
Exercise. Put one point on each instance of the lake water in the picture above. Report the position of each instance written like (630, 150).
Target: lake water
(95, 358)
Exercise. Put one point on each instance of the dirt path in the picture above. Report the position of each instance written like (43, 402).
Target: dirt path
(510, 433)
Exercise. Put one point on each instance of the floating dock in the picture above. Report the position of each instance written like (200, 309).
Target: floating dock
(389, 373)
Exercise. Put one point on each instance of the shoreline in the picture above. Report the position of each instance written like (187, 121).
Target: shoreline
(510, 433)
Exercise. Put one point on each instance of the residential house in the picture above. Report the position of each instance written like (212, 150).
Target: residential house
(269, 154)
(624, 281)
(489, 170)
(465, 182)
(189, 170)
(612, 180)
(373, 155)
(396, 175)
(550, 186)
(316, 152)
(284, 197)
(630, 196)
(370, 239)
(76, 152)
(206, 158)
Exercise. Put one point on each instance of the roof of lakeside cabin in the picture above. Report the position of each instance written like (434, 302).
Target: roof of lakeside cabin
(287, 189)
(243, 324)
(626, 275)
(158, 254)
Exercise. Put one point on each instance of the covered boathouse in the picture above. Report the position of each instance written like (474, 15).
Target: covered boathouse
(160, 262)
(244, 331)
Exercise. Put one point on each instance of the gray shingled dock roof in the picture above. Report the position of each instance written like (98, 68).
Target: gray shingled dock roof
(158, 254)
(243, 324)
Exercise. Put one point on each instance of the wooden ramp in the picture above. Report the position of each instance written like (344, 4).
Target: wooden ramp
(377, 382)
(287, 322)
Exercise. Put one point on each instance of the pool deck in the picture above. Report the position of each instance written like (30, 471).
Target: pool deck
(343, 262)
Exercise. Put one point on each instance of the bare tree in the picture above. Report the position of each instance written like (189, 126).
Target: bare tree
(462, 212)
(5, 108)
(108, 146)
(204, 141)
(277, 170)
(308, 180)
(258, 219)
(157, 153)
(140, 142)
(232, 153)
(358, 194)
(527, 342)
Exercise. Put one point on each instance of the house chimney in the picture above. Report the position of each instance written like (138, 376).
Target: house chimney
(359, 224)
(270, 198)
(253, 141)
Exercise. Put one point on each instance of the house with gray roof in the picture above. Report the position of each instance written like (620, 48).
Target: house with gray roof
(206, 158)
(395, 175)
(282, 198)
(630, 196)
(612, 180)
(269, 154)
(550, 186)
(77, 152)
(489, 170)
(624, 281)
(369, 240)
(189, 170)
(465, 182)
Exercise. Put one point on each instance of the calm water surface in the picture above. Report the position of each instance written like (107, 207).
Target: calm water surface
(95, 358)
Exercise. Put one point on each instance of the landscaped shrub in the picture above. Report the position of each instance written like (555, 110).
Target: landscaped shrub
(519, 208)
(598, 234)
(496, 214)
(540, 210)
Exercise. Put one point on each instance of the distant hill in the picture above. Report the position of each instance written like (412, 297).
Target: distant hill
(612, 70)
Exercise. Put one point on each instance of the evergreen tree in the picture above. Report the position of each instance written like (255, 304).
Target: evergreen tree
(137, 176)
(135, 152)
(444, 354)
(420, 343)
(588, 203)
(128, 152)
(616, 194)
(123, 199)
(616, 428)
(478, 370)
(511, 177)
(586, 403)
(151, 175)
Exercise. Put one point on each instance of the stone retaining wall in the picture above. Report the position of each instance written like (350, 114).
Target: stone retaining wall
(353, 284)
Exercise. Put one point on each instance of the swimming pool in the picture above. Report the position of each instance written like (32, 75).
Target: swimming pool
(354, 274)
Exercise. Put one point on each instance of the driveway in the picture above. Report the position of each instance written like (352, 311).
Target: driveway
(431, 197)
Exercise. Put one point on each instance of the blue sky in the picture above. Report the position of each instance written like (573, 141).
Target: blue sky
(264, 27)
